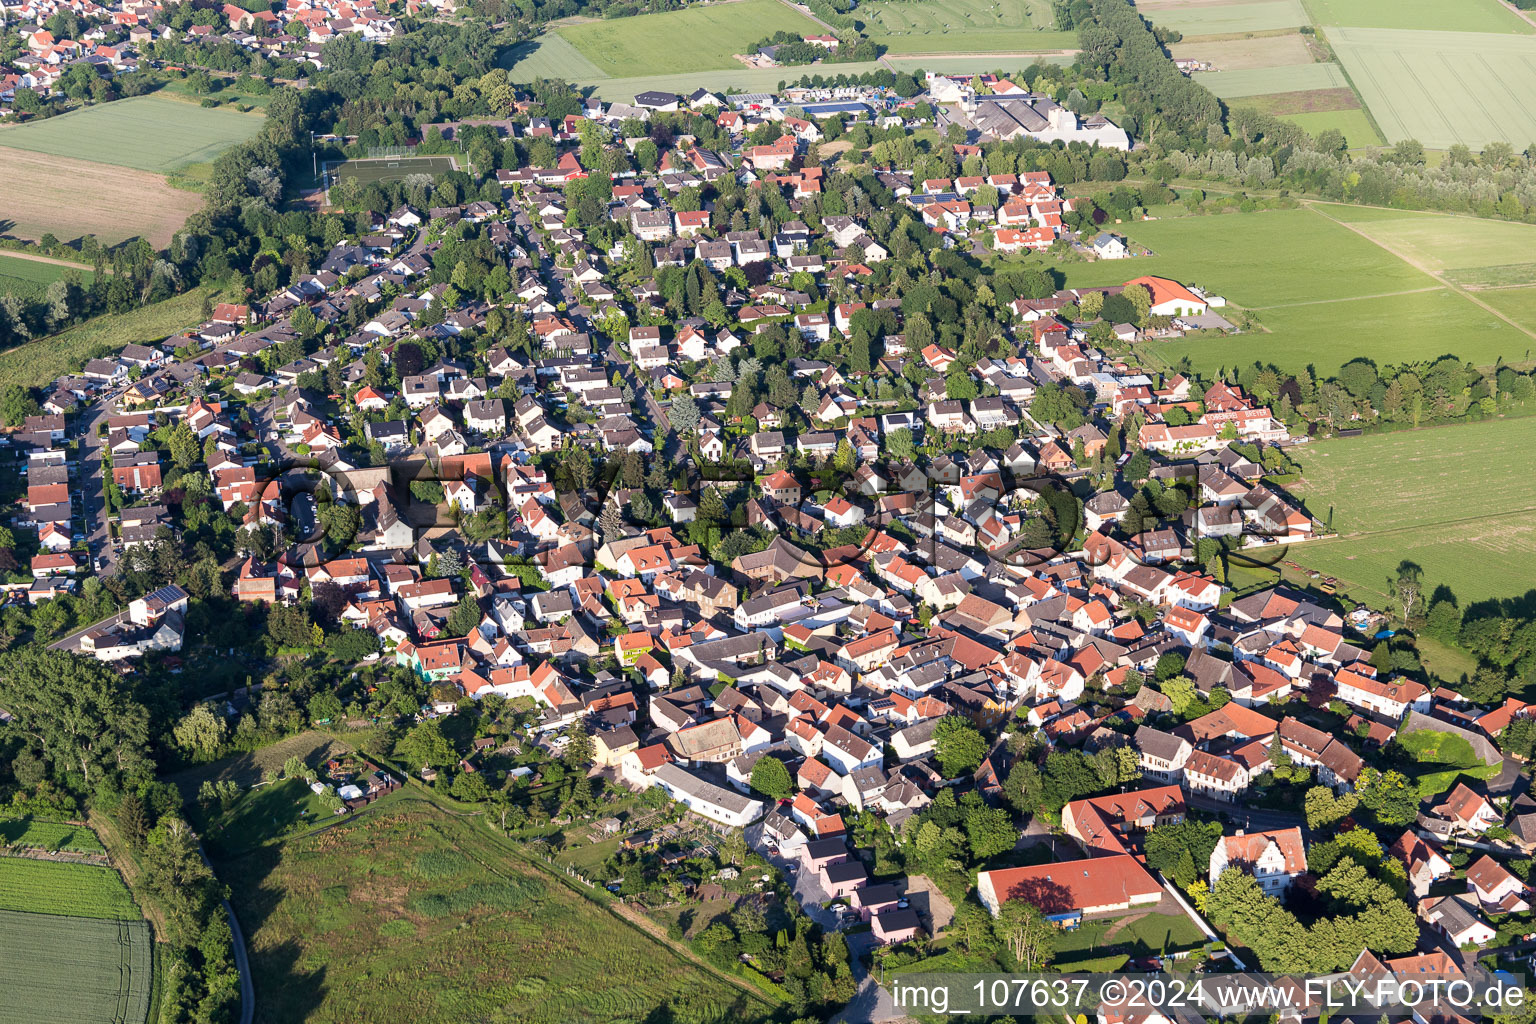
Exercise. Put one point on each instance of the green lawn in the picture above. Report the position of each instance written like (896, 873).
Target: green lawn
(1393, 329)
(697, 38)
(149, 133)
(29, 278)
(548, 56)
(1409, 495)
(76, 969)
(1443, 87)
(1433, 15)
(1264, 81)
(1259, 260)
(39, 361)
(1429, 746)
(1519, 304)
(410, 913)
(1354, 124)
(1443, 242)
(1205, 19)
(1361, 301)
(266, 813)
(1148, 935)
(962, 26)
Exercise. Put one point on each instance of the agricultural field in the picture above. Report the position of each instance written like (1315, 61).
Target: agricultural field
(1443, 87)
(42, 194)
(1425, 15)
(29, 278)
(1268, 51)
(1230, 85)
(1353, 124)
(549, 56)
(69, 890)
(424, 911)
(1220, 17)
(146, 133)
(86, 971)
(963, 26)
(31, 834)
(40, 360)
(1405, 496)
(696, 38)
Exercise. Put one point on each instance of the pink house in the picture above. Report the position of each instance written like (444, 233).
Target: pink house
(893, 926)
(843, 878)
(875, 899)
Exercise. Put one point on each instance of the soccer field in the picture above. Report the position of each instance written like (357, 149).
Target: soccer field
(385, 169)
(1406, 496)
(148, 133)
(697, 38)
(1443, 87)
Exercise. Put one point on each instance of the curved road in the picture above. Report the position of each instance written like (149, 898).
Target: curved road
(242, 962)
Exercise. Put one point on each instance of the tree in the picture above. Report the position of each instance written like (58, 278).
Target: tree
(464, 617)
(201, 733)
(1325, 810)
(1390, 796)
(1408, 586)
(78, 716)
(771, 778)
(899, 444)
(184, 446)
(425, 746)
(16, 402)
(1030, 938)
(960, 747)
(990, 832)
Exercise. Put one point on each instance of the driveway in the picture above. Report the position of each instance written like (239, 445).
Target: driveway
(807, 889)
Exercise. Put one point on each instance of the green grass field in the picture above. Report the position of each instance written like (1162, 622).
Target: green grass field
(31, 834)
(1355, 126)
(1361, 301)
(963, 26)
(40, 360)
(1519, 304)
(1407, 496)
(148, 133)
(419, 915)
(69, 890)
(1207, 19)
(1263, 81)
(373, 171)
(697, 38)
(1146, 935)
(75, 969)
(549, 56)
(1259, 260)
(1443, 87)
(1441, 242)
(1432, 15)
(264, 814)
(1431, 747)
(28, 278)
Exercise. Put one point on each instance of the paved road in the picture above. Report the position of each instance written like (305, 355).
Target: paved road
(1250, 818)
(242, 962)
(92, 487)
